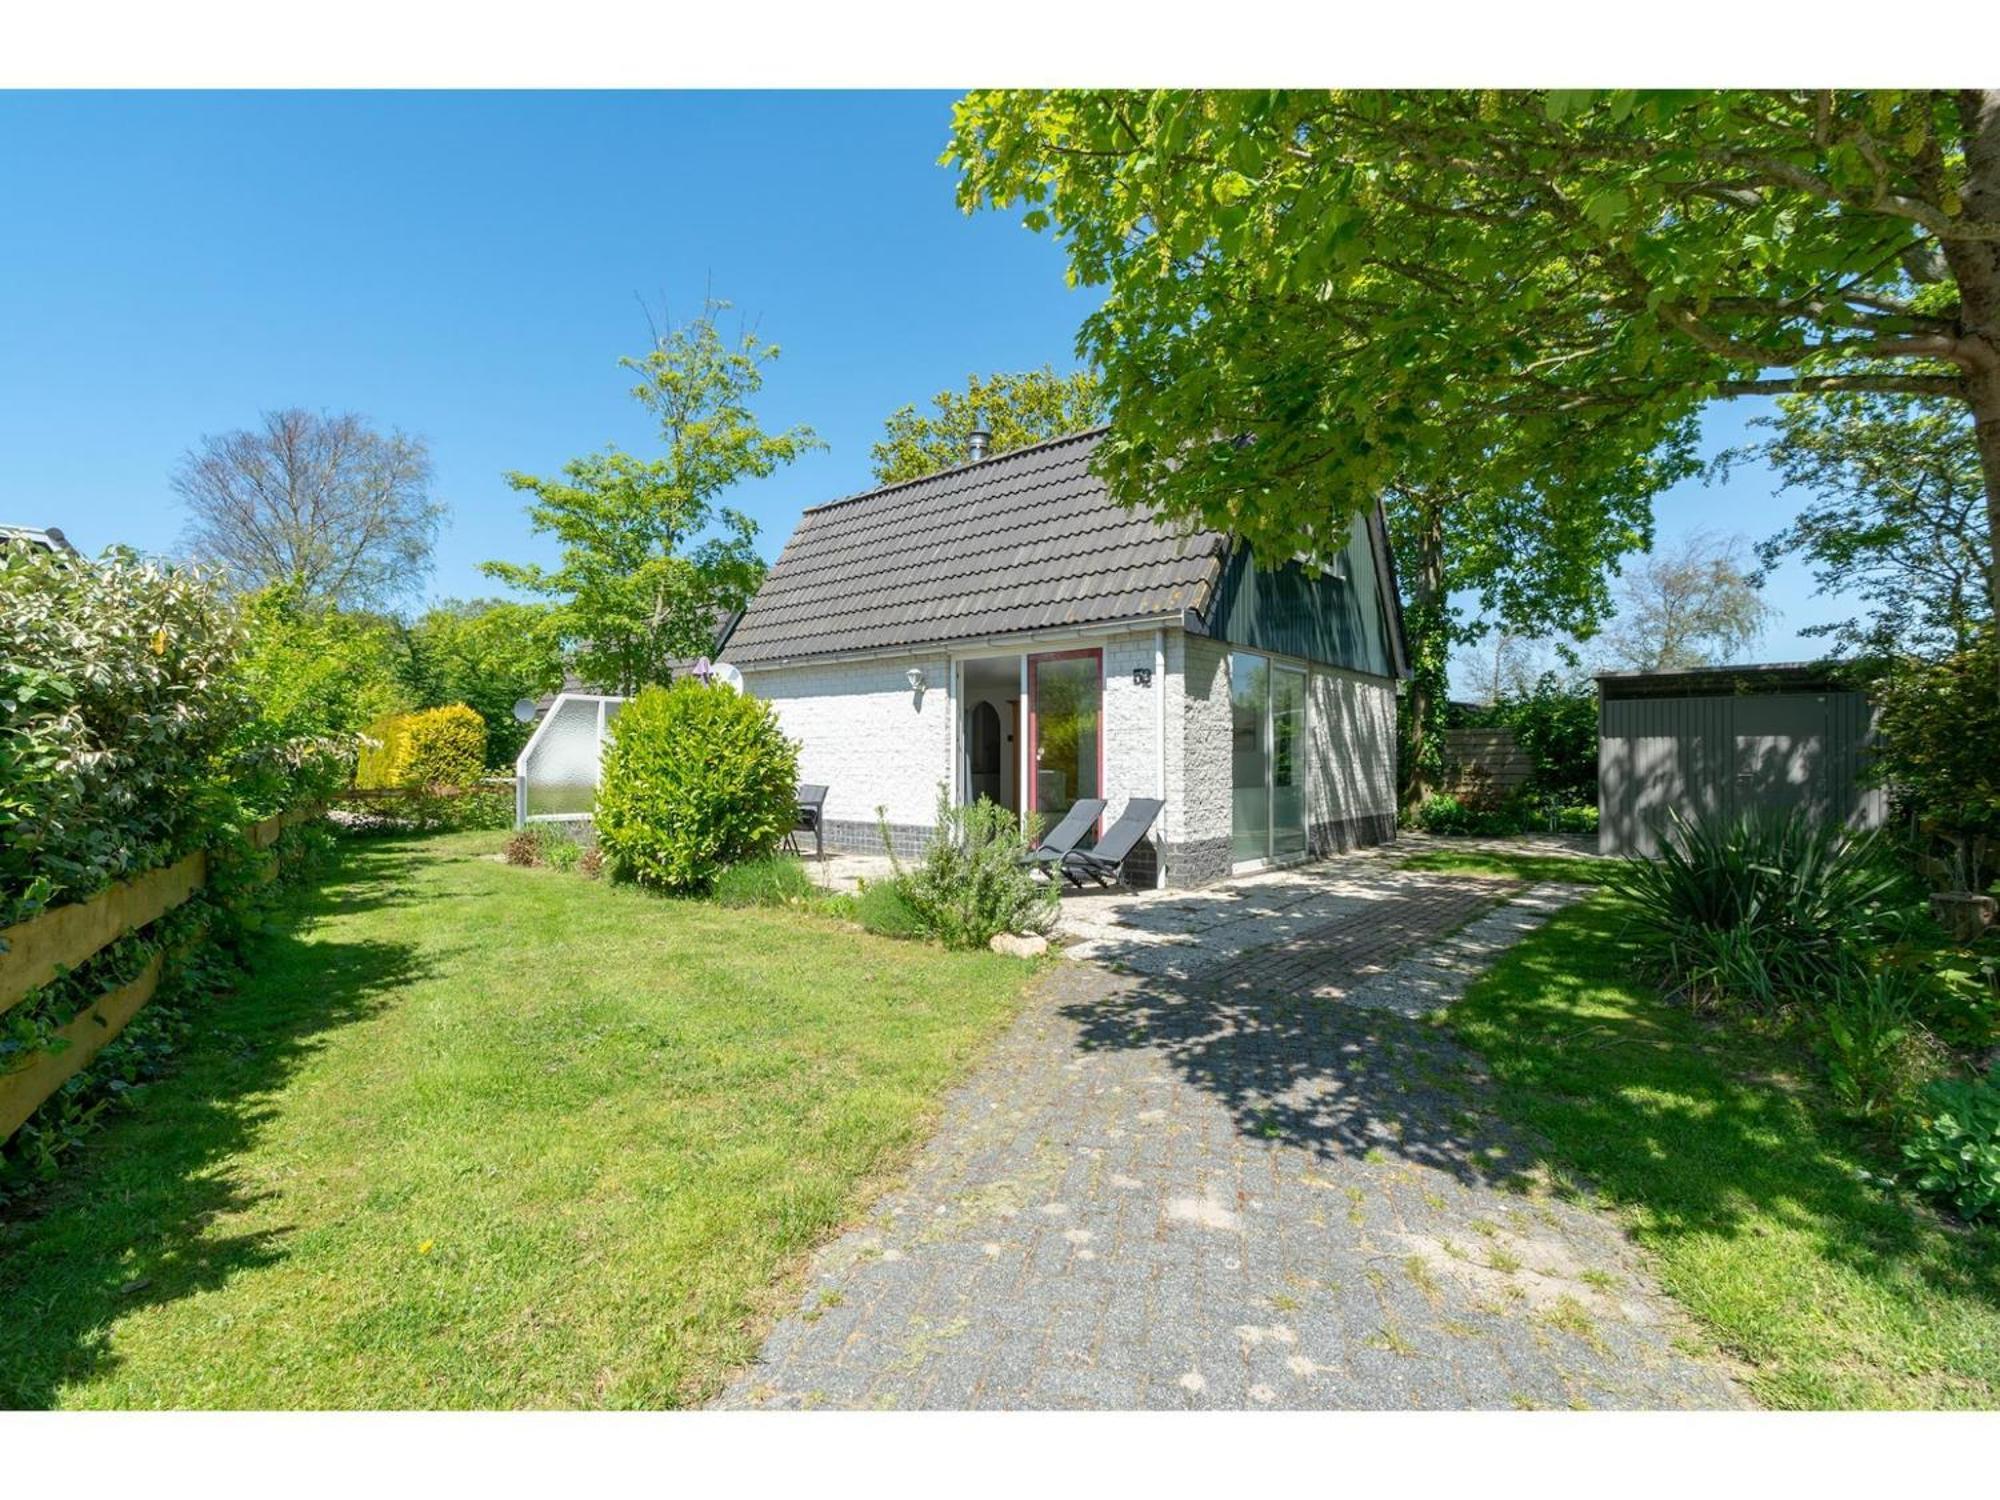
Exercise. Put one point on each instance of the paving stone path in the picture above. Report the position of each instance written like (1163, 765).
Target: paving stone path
(1261, 1186)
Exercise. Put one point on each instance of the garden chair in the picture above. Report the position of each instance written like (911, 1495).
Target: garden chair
(1066, 835)
(1104, 861)
(812, 808)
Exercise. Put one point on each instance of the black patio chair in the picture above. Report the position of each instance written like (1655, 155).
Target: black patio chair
(1104, 861)
(812, 808)
(1066, 835)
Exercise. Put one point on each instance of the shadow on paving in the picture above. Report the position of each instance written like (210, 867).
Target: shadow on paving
(1329, 1079)
(129, 1224)
(1702, 1131)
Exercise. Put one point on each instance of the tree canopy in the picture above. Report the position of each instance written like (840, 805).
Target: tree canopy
(487, 654)
(1690, 605)
(1894, 515)
(650, 559)
(317, 500)
(1018, 410)
(1310, 292)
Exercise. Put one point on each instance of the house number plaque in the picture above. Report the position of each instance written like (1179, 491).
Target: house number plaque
(1142, 677)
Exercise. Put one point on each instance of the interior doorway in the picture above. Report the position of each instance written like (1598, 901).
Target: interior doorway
(990, 730)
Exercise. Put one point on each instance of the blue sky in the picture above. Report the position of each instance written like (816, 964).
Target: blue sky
(469, 267)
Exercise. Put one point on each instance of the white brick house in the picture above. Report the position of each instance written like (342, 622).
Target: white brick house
(1005, 625)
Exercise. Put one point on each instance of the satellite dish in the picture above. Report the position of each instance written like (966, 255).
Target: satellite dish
(727, 675)
(524, 710)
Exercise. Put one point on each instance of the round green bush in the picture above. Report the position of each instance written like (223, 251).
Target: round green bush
(696, 777)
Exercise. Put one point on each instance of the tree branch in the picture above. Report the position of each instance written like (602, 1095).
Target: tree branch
(1883, 384)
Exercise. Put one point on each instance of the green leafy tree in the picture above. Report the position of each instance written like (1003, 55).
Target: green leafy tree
(1687, 606)
(1479, 552)
(314, 672)
(1895, 516)
(1938, 723)
(487, 654)
(1018, 410)
(650, 559)
(1349, 279)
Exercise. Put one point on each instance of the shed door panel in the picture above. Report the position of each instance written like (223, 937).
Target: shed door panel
(1781, 752)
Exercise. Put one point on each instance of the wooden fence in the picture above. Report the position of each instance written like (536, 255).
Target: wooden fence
(1484, 765)
(55, 941)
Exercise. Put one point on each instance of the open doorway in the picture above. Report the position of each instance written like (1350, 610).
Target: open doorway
(990, 730)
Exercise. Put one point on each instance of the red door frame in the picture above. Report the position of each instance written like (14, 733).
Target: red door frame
(1031, 795)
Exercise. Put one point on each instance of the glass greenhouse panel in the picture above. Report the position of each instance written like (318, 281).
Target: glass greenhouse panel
(558, 768)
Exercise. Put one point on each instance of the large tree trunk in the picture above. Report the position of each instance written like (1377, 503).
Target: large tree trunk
(1984, 392)
(1430, 646)
(1975, 265)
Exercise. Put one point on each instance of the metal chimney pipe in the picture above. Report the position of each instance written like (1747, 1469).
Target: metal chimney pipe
(977, 441)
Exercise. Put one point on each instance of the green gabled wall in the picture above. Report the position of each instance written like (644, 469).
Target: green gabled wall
(1295, 610)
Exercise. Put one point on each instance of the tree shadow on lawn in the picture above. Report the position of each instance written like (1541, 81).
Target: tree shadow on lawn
(129, 1224)
(1701, 1128)
(1557, 1059)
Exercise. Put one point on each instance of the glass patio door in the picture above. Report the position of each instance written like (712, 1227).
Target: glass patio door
(1288, 762)
(1249, 757)
(1267, 708)
(1065, 739)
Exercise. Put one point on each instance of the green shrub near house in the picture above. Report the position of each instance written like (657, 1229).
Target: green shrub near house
(696, 777)
(970, 885)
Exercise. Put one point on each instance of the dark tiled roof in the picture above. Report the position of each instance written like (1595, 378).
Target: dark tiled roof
(48, 538)
(1028, 541)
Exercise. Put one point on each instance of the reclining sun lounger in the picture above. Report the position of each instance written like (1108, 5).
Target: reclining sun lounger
(1104, 862)
(1066, 835)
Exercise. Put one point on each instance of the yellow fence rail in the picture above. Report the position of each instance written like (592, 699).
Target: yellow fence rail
(55, 941)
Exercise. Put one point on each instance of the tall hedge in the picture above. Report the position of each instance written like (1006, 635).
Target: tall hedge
(118, 716)
(444, 747)
(696, 777)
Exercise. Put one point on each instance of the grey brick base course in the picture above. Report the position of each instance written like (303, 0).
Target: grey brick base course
(853, 837)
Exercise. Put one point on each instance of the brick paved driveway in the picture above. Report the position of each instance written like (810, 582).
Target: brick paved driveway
(1237, 1174)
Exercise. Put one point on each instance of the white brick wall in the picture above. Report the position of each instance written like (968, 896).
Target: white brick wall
(863, 733)
(1198, 755)
(1131, 724)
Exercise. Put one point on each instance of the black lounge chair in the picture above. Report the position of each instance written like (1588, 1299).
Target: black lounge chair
(1104, 862)
(1066, 835)
(812, 806)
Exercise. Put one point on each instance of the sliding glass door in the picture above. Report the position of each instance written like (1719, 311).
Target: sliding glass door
(1249, 757)
(1288, 762)
(1268, 751)
(1066, 746)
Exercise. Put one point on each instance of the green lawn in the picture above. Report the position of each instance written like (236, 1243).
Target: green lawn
(1756, 1205)
(476, 1135)
(1576, 870)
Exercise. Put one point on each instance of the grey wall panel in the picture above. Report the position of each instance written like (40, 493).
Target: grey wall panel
(1335, 618)
(1720, 756)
